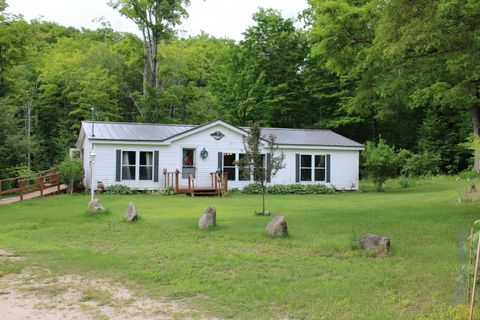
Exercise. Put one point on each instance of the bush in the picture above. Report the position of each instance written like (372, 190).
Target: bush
(168, 191)
(469, 175)
(256, 188)
(380, 162)
(71, 173)
(118, 189)
(406, 182)
(421, 164)
(253, 188)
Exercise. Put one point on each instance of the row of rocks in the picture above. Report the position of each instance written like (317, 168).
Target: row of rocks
(277, 227)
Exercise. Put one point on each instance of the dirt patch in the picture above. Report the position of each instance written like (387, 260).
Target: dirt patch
(34, 293)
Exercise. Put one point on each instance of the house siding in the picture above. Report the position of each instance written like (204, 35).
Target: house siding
(344, 163)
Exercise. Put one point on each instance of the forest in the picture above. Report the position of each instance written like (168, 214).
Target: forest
(407, 73)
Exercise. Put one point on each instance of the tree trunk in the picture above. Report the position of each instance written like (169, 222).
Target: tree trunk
(476, 133)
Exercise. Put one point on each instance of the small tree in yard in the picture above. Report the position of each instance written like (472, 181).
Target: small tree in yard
(71, 173)
(380, 162)
(253, 162)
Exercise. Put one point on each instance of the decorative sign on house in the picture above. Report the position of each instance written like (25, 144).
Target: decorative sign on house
(204, 154)
(217, 135)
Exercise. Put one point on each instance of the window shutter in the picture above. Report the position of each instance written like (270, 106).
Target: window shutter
(328, 168)
(118, 166)
(220, 161)
(155, 166)
(269, 164)
(297, 167)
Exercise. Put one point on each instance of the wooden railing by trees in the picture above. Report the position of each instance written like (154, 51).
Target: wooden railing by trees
(38, 182)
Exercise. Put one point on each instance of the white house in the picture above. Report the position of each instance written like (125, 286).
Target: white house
(146, 156)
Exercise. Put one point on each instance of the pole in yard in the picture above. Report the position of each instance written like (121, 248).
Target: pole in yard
(475, 275)
(92, 176)
(470, 258)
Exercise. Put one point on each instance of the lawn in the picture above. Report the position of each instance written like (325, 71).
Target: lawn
(236, 271)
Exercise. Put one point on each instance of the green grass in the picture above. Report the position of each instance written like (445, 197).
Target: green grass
(236, 271)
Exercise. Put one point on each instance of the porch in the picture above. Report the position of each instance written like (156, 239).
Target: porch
(218, 187)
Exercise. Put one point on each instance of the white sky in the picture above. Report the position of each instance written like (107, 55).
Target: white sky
(220, 18)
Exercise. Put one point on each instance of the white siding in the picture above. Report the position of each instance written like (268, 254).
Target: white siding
(344, 163)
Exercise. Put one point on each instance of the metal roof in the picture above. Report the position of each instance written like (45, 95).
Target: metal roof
(123, 131)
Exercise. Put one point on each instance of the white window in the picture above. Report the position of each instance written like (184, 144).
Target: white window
(320, 168)
(305, 167)
(128, 165)
(146, 165)
(229, 166)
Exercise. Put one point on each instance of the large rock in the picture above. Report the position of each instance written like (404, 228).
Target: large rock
(375, 243)
(95, 206)
(277, 227)
(131, 214)
(208, 218)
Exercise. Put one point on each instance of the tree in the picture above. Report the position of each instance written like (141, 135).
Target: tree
(380, 162)
(265, 80)
(156, 20)
(71, 172)
(254, 160)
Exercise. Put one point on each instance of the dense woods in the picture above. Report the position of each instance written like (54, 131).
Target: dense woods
(407, 73)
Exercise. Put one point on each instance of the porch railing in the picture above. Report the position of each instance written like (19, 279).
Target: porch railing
(219, 182)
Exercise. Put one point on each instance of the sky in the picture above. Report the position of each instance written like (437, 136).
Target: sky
(220, 18)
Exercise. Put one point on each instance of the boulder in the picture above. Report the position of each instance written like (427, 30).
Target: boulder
(375, 243)
(277, 227)
(131, 214)
(208, 218)
(95, 206)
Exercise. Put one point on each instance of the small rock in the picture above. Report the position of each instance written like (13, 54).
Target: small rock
(262, 213)
(95, 206)
(131, 214)
(374, 243)
(277, 227)
(208, 218)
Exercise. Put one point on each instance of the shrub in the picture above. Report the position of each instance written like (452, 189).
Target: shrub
(118, 189)
(469, 175)
(421, 164)
(256, 188)
(71, 173)
(406, 182)
(380, 162)
(168, 191)
(253, 188)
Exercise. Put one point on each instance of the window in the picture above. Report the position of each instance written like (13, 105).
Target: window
(320, 168)
(188, 163)
(243, 174)
(146, 166)
(128, 165)
(229, 165)
(306, 167)
(257, 178)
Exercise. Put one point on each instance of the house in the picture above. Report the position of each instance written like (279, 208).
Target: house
(154, 156)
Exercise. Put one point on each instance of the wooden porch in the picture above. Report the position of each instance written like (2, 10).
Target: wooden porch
(218, 187)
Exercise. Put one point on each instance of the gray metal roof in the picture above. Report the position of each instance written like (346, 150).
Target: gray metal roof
(122, 131)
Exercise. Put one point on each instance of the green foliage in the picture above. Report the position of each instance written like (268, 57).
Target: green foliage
(380, 162)
(256, 188)
(469, 175)
(421, 164)
(118, 189)
(406, 182)
(71, 173)
(168, 191)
